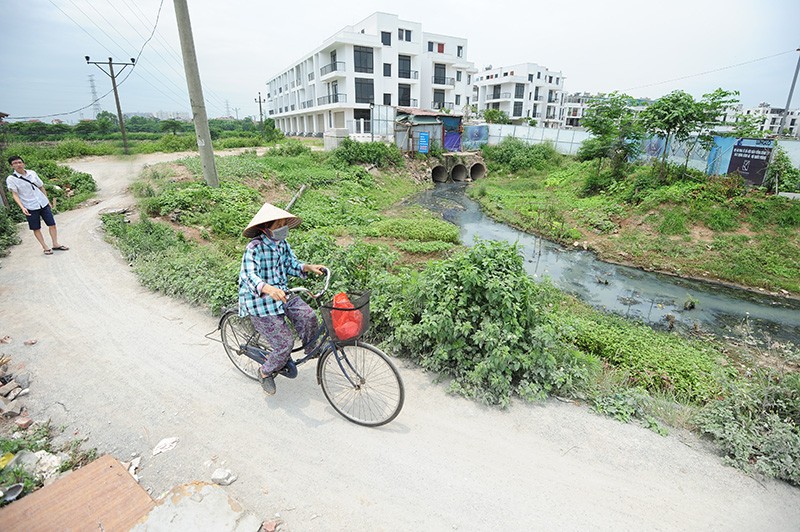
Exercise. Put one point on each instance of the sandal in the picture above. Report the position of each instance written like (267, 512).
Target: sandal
(61, 248)
(48, 252)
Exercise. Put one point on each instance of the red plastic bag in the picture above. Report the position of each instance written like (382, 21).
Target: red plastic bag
(346, 323)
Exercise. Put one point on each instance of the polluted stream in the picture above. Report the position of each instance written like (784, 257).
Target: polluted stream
(653, 298)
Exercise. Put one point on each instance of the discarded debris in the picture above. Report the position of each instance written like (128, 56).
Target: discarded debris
(223, 477)
(32, 341)
(167, 444)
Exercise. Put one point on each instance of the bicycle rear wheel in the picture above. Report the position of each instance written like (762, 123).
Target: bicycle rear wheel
(362, 384)
(237, 332)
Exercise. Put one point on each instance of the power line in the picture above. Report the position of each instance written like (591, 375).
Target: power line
(709, 71)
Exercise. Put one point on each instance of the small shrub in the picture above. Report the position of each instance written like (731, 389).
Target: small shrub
(381, 155)
(757, 423)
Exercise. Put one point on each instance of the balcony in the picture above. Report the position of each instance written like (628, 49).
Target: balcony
(499, 96)
(338, 66)
(539, 98)
(408, 74)
(332, 98)
(411, 102)
(442, 80)
(442, 105)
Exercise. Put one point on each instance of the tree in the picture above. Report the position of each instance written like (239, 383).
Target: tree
(496, 116)
(747, 126)
(84, 128)
(710, 110)
(672, 117)
(171, 125)
(106, 122)
(617, 132)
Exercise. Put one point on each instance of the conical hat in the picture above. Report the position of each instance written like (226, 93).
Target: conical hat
(269, 213)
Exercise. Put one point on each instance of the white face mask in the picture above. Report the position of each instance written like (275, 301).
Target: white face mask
(279, 234)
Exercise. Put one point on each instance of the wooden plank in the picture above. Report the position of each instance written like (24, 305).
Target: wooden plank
(99, 496)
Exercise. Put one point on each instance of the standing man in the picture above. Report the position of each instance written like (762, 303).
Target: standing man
(28, 192)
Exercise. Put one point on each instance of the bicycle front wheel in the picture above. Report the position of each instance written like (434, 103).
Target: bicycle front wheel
(362, 384)
(237, 332)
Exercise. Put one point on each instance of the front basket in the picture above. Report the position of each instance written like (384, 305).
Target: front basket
(346, 323)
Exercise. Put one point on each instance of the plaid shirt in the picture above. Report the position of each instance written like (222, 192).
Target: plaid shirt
(265, 262)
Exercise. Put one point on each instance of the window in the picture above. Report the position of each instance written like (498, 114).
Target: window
(519, 90)
(386, 38)
(404, 66)
(530, 77)
(467, 100)
(439, 73)
(495, 92)
(549, 79)
(538, 75)
(364, 91)
(460, 51)
(387, 98)
(430, 46)
(404, 35)
(557, 81)
(505, 74)
(517, 108)
(404, 95)
(469, 79)
(387, 70)
(530, 95)
(362, 59)
(438, 99)
(458, 75)
(441, 47)
(458, 99)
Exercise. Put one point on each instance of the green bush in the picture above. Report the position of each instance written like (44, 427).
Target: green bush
(288, 148)
(423, 230)
(477, 317)
(8, 229)
(381, 155)
(515, 155)
(757, 423)
(655, 361)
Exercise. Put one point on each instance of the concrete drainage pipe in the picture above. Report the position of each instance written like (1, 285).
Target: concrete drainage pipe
(459, 173)
(477, 171)
(439, 174)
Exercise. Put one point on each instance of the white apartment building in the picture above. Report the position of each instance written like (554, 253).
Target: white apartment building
(771, 119)
(523, 92)
(381, 60)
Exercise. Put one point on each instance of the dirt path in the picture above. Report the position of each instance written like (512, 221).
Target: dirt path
(127, 367)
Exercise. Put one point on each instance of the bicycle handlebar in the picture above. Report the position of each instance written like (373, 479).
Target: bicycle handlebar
(318, 295)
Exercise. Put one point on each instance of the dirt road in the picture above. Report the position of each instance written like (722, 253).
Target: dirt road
(127, 368)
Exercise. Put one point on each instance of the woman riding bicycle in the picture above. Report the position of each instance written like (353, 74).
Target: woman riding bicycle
(263, 281)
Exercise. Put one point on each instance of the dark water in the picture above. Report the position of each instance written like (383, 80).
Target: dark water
(649, 297)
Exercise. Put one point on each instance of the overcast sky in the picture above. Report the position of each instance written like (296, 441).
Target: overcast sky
(599, 46)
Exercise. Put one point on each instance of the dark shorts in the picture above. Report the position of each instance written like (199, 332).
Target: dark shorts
(37, 215)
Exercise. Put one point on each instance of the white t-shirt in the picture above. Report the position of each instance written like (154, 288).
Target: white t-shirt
(31, 197)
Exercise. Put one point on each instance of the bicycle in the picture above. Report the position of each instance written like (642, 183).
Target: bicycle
(359, 380)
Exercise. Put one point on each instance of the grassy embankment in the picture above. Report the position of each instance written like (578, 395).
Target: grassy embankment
(694, 226)
(473, 315)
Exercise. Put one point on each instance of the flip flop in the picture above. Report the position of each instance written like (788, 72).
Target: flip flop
(48, 252)
(61, 248)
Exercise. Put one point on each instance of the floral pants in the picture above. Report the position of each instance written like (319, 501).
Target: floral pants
(276, 331)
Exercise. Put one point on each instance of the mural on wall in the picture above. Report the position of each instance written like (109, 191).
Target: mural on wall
(474, 137)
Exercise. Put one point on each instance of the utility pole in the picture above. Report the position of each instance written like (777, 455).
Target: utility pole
(789, 98)
(113, 77)
(259, 101)
(236, 109)
(196, 94)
